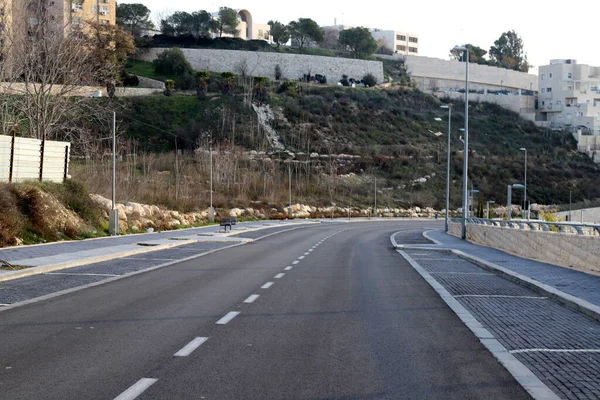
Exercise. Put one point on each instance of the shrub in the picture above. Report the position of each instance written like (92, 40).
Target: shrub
(344, 81)
(172, 62)
(369, 80)
(289, 87)
(169, 87)
(227, 83)
(278, 73)
(11, 221)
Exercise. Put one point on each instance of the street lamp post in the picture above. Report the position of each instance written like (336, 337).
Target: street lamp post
(463, 230)
(211, 210)
(449, 107)
(113, 224)
(509, 198)
(375, 197)
(525, 208)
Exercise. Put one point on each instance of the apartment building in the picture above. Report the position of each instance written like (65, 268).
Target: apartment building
(100, 11)
(399, 42)
(569, 96)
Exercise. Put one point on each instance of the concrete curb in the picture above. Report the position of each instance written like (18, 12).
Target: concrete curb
(523, 375)
(6, 276)
(580, 305)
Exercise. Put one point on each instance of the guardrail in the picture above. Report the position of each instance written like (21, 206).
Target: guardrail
(536, 225)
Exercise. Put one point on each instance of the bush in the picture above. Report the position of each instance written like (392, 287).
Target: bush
(11, 221)
(369, 80)
(344, 81)
(172, 62)
(290, 87)
(278, 73)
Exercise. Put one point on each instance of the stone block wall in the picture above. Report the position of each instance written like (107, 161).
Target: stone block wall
(566, 250)
(293, 66)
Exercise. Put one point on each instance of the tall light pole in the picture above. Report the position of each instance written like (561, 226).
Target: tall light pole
(290, 188)
(375, 210)
(449, 107)
(211, 210)
(465, 196)
(509, 198)
(113, 223)
(525, 208)
(488, 208)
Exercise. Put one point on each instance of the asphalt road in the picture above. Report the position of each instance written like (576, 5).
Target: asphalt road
(349, 320)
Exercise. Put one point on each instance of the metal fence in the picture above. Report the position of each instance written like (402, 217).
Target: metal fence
(26, 159)
(537, 225)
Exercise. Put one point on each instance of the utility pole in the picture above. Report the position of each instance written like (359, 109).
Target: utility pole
(290, 188)
(211, 210)
(375, 210)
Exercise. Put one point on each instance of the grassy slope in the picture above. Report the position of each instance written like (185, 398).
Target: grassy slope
(391, 131)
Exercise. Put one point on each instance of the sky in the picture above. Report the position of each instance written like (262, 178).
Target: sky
(548, 30)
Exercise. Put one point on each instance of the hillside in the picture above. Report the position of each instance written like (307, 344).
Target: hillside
(391, 132)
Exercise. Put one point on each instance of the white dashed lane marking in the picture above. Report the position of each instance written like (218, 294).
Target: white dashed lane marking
(138, 388)
(228, 317)
(191, 346)
(267, 285)
(251, 298)
(288, 268)
(295, 262)
(301, 258)
(279, 275)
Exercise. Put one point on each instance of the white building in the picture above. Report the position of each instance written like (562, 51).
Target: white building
(398, 42)
(569, 96)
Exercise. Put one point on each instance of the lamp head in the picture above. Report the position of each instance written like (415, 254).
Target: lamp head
(437, 119)
(445, 106)
(523, 149)
(460, 48)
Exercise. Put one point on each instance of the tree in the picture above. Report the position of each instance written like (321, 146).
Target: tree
(476, 54)
(359, 41)
(507, 52)
(134, 18)
(279, 32)
(198, 24)
(171, 63)
(304, 31)
(227, 22)
(109, 46)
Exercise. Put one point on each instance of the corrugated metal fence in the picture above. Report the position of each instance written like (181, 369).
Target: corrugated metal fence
(25, 159)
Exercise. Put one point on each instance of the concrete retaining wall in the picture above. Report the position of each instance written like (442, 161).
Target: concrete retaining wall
(293, 66)
(566, 250)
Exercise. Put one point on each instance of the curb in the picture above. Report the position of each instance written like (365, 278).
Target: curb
(7, 276)
(523, 375)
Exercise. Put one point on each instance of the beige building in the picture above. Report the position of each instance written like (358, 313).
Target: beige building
(398, 42)
(569, 96)
(250, 30)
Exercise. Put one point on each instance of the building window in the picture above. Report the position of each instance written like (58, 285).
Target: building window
(543, 90)
(76, 20)
(413, 40)
(549, 90)
(401, 38)
(103, 10)
(558, 102)
(401, 48)
(76, 7)
(413, 50)
(550, 75)
(543, 77)
(569, 75)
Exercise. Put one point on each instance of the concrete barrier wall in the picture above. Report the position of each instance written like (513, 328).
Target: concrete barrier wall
(565, 250)
(293, 66)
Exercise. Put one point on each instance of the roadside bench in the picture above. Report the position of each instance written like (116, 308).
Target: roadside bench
(227, 222)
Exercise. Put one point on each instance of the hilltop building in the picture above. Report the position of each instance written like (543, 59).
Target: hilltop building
(398, 42)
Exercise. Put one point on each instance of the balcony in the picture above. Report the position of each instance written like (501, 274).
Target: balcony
(551, 108)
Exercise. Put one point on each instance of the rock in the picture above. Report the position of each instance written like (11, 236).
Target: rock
(236, 212)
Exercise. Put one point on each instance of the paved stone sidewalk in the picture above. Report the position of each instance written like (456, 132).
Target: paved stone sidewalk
(575, 283)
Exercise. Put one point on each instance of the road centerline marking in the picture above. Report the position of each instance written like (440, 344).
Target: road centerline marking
(301, 258)
(279, 275)
(288, 268)
(295, 262)
(252, 298)
(228, 317)
(136, 389)
(191, 346)
(267, 285)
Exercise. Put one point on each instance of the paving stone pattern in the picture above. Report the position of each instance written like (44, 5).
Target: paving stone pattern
(527, 321)
(16, 290)
(578, 284)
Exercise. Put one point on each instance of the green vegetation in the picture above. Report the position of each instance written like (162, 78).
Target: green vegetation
(144, 68)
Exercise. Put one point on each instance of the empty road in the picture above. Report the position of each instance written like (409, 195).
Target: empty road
(324, 312)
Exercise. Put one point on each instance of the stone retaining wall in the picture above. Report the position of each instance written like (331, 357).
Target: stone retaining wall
(293, 66)
(566, 250)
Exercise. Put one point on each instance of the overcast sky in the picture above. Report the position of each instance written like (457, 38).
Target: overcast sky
(549, 30)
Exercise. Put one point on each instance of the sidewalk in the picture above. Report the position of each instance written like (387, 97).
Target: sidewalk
(578, 284)
(55, 256)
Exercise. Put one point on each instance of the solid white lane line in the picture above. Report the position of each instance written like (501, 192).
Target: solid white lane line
(279, 275)
(267, 285)
(190, 347)
(295, 262)
(499, 296)
(288, 268)
(228, 317)
(138, 388)
(301, 258)
(251, 298)
(554, 351)
(76, 274)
